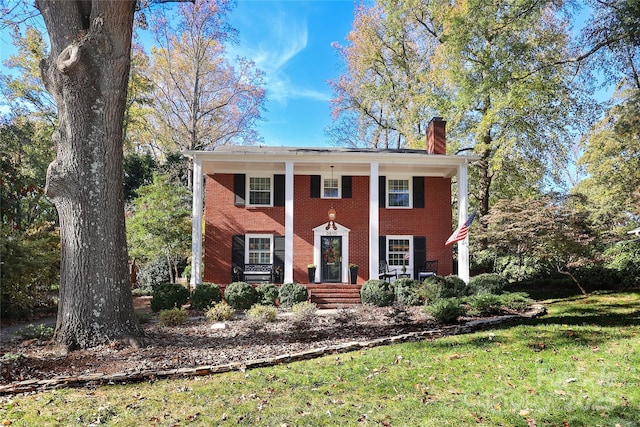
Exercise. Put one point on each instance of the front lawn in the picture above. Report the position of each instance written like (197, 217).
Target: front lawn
(577, 366)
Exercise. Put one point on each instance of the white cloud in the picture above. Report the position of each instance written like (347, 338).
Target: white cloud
(272, 43)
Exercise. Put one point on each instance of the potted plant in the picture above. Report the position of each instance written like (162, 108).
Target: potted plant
(353, 272)
(311, 271)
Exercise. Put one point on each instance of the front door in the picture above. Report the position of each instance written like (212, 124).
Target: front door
(331, 259)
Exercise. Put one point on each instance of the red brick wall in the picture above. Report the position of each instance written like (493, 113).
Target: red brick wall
(223, 220)
(434, 222)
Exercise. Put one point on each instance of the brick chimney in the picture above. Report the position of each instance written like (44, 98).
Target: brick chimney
(437, 136)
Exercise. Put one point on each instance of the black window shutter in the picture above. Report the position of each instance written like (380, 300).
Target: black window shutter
(278, 190)
(315, 186)
(382, 191)
(382, 248)
(278, 257)
(239, 184)
(346, 187)
(418, 192)
(419, 254)
(237, 256)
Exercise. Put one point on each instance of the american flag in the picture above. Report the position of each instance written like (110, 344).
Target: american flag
(462, 231)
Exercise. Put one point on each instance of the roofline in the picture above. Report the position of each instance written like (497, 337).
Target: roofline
(337, 155)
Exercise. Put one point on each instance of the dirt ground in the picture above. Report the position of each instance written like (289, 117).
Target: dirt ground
(201, 342)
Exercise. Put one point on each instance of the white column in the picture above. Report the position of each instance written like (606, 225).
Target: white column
(463, 212)
(196, 226)
(374, 221)
(288, 223)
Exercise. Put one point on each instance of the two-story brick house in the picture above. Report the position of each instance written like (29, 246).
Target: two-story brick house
(293, 206)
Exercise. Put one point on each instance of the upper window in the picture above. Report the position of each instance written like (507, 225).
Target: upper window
(398, 193)
(330, 188)
(259, 248)
(260, 191)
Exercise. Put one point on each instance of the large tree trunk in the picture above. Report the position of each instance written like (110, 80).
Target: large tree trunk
(87, 73)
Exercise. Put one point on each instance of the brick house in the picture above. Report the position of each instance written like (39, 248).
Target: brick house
(288, 207)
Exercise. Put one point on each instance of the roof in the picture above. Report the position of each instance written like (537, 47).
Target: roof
(317, 160)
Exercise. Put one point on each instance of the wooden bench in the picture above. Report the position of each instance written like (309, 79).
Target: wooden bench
(258, 273)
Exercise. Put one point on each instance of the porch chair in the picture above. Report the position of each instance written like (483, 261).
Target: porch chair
(386, 273)
(430, 268)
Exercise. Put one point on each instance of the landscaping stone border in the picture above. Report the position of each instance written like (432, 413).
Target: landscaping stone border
(97, 379)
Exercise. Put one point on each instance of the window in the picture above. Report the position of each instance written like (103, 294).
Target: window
(330, 188)
(398, 193)
(399, 251)
(260, 191)
(259, 249)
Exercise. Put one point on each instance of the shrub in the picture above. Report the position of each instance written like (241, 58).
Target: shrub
(262, 313)
(446, 310)
(406, 291)
(267, 294)
(485, 304)
(515, 300)
(40, 332)
(292, 293)
(168, 296)
(240, 295)
(432, 289)
(173, 317)
(491, 283)
(153, 273)
(624, 257)
(304, 316)
(205, 295)
(455, 287)
(220, 312)
(377, 292)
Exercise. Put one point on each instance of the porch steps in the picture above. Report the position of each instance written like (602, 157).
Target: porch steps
(334, 295)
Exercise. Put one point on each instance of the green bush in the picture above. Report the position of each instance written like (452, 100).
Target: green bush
(153, 273)
(446, 310)
(220, 312)
(292, 293)
(455, 287)
(624, 257)
(485, 304)
(377, 292)
(240, 295)
(432, 289)
(40, 332)
(205, 295)
(406, 291)
(173, 317)
(491, 283)
(516, 300)
(262, 313)
(168, 296)
(267, 294)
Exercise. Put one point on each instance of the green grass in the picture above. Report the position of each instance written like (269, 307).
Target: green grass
(579, 365)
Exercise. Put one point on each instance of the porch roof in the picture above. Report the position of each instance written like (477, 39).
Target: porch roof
(318, 160)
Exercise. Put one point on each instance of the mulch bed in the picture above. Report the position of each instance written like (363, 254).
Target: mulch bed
(201, 347)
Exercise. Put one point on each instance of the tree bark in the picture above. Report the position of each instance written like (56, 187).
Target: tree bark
(87, 74)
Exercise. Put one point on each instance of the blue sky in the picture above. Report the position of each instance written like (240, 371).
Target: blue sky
(291, 42)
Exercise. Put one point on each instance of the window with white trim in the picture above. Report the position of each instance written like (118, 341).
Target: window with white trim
(260, 191)
(399, 249)
(259, 249)
(330, 188)
(398, 193)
